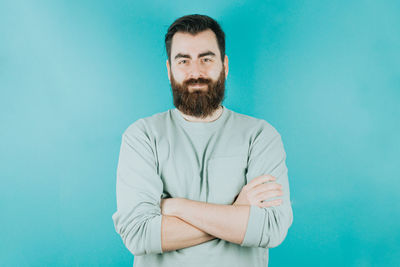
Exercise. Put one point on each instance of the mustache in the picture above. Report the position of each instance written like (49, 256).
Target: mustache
(197, 81)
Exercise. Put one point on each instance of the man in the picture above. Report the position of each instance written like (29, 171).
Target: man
(201, 185)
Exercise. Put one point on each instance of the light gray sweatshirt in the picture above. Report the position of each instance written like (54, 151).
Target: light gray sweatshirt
(164, 156)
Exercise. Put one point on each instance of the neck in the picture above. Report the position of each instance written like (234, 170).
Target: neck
(216, 114)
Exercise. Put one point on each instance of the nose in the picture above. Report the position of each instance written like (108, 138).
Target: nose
(196, 70)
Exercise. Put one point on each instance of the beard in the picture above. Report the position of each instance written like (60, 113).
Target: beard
(201, 102)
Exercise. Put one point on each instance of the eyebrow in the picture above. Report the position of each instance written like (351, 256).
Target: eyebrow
(208, 53)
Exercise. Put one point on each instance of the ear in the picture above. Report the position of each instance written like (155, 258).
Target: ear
(169, 71)
(226, 66)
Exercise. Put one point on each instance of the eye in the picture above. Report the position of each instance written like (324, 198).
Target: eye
(207, 59)
(183, 61)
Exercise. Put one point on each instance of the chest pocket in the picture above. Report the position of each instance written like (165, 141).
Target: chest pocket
(226, 177)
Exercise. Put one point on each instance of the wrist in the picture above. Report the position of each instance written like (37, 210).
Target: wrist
(175, 207)
(171, 206)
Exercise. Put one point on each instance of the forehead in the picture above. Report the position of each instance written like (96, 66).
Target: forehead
(187, 43)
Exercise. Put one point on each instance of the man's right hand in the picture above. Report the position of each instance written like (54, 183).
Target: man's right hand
(257, 190)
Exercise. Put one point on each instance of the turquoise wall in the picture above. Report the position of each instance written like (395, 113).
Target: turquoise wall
(74, 75)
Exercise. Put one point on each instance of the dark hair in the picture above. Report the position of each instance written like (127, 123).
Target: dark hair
(194, 24)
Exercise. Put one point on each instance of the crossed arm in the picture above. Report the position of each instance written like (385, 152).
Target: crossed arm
(196, 222)
(187, 223)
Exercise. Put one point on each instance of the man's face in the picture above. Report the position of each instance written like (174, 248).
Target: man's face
(197, 74)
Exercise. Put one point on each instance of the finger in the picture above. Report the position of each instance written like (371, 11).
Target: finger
(271, 203)
(265, 187)
(269, 194)
(260, 179)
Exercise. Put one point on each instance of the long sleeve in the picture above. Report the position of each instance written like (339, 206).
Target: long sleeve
(139, 190)
(267, 227)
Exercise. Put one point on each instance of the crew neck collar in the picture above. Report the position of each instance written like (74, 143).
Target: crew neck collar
(200, 126)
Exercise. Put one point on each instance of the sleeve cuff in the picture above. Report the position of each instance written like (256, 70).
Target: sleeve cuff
(254, 228)
(155, 235)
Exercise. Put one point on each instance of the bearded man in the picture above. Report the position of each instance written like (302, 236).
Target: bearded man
(200, 184)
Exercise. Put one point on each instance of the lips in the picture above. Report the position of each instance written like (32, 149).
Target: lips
(197, 85)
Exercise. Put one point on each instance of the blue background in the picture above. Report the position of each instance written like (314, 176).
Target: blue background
(75, 75)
